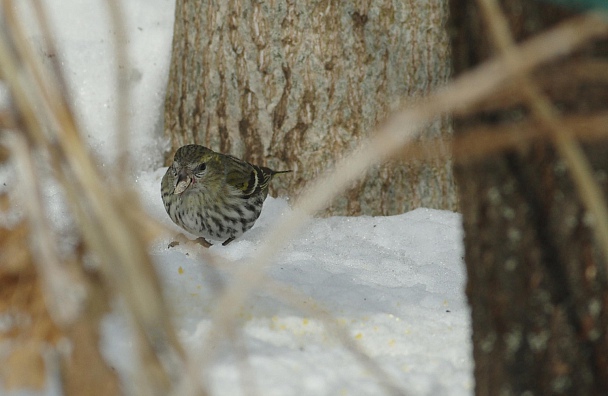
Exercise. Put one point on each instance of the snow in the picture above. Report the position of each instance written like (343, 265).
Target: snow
(395, 284)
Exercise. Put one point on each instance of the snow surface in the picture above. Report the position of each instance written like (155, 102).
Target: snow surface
(395, 283)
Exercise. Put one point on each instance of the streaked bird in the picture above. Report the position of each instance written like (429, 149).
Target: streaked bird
(214, 196)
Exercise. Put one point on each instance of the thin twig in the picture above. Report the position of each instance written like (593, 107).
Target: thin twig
(51, 48)
(102, 216)
(459, 96)
(123, 88)
(563, 137)
(247, 375)
(282, 293)
(295, 299)
(483, 141)
(64, 293)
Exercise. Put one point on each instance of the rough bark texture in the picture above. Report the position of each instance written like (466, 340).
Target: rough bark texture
(296, 85)
(536, 281)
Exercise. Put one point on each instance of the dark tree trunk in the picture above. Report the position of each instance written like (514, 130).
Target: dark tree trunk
(536, 279)
(296, 85)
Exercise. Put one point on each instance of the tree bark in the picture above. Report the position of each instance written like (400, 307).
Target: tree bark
(296, 85)
(537, 282)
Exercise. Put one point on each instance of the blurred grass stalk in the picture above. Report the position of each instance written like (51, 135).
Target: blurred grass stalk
(462, 96)
(110, 219)
(45, 130)
(547, 115)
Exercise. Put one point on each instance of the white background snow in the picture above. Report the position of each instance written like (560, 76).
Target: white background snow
(396, 283)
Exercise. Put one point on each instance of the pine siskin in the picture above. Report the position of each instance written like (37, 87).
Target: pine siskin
(212, 195)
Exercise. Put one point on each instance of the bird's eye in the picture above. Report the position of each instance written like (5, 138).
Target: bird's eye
(200, 168)
(174, 167)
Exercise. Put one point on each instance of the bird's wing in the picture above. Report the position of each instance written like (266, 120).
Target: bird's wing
(248, 178)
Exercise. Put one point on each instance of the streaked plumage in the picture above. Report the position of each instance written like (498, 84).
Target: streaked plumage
(212, 195)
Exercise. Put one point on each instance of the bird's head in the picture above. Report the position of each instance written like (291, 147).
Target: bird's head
(194, 168)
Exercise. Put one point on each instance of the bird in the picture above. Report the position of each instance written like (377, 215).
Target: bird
(212, 195)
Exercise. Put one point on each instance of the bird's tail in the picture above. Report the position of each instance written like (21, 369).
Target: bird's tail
(273, 172)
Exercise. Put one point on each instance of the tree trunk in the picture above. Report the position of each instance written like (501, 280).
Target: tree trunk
(296, 85)
(537, 282)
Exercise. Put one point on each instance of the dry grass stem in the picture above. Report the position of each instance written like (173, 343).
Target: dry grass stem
(28, 329)
(64, 293)
(117, 232)
(563, 137)
(100, 212)
(483, 141)
(289, 296)
(331, 324)
(551, 80)
(123, 94)
(249, 385)
(460, 97)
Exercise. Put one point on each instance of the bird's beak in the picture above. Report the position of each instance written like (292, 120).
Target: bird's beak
(183, 182)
